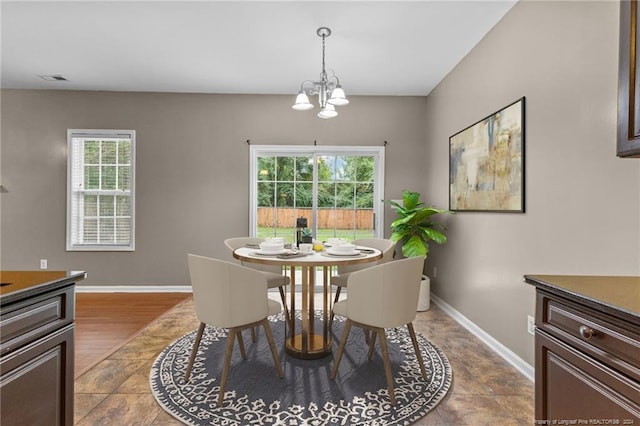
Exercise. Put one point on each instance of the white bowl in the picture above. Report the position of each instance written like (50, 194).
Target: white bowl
(306, 247)
(271, 246)
(344, 248)
(274, 240)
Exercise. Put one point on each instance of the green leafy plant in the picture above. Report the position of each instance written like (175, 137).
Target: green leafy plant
(415, 226)
(307, 236)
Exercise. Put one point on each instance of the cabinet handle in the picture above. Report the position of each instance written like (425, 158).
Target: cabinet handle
(586, 332)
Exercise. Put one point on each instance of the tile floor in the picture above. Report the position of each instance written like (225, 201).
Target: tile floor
(485, 389)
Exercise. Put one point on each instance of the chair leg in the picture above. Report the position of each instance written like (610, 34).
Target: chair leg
(272, 345)
(343, 342)
(194, 351)
(226, 363)
(412, 333)
(283, 296)
(372, 342)
(253, 334)
(335, 300)
(387, 365)
(241, 344)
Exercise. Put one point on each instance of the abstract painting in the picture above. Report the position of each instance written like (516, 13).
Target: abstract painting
(486, 163)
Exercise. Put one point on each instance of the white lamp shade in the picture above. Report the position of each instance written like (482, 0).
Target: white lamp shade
(328, 111)
(338, 97)
(302, 102)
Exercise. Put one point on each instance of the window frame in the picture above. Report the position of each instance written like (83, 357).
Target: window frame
(378, 152)
(71, 220)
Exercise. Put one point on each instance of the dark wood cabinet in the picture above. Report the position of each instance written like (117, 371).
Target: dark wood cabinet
(587, 353)
(629, 81)
(577, 388)
(37, 388)
(36, 348)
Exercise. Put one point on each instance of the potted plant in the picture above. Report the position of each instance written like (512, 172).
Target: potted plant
(415, 228)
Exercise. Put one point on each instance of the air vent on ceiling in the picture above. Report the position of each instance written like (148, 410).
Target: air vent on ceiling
(52, 77)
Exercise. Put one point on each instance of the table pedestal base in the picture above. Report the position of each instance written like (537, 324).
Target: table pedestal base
(309, 342)
(316, 347)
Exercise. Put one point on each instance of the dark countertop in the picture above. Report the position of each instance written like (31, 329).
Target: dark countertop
(612, 294)
(21, 284)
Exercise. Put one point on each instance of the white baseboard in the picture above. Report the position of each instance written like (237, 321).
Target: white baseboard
(518, 363)
(133, 289)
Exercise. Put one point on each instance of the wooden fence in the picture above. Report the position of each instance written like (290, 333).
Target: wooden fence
(327, 218)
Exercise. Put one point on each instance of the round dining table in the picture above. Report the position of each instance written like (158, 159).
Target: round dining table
(312, 339)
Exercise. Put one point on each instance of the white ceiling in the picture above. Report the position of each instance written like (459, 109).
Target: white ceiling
(263, 47)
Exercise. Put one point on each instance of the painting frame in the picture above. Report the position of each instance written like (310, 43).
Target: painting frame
(487, 163)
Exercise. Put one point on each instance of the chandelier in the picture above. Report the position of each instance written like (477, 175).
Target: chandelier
(330, 93)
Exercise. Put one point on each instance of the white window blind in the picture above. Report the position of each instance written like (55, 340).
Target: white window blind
(100, 193)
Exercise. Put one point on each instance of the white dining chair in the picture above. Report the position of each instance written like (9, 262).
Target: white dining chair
(234, 297)
(274, 275)
(340, 280)
(380, 297)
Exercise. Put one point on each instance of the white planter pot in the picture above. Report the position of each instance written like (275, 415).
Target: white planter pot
(424, 298)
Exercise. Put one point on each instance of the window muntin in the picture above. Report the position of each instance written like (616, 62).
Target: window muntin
(100, 212)
(333, 187)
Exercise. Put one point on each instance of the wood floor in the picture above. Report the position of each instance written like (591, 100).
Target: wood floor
(106, 321)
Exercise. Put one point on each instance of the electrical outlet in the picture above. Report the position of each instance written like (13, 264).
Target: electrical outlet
(43, 263)
(531, 325)
(435, 272)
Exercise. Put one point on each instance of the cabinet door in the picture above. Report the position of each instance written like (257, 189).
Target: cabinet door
(629, 81)
(571, 386)
(37, 382)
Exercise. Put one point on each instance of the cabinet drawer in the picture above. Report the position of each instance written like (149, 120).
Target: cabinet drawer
(25, 321)
(36, 382)
(574, 387)
(612, 341)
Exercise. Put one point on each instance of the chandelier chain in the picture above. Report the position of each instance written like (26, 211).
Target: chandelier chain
(323, 76)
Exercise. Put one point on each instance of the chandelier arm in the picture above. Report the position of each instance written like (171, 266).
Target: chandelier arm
(332, 84)
(313, 87)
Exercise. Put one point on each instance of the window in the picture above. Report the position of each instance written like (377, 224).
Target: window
(100, 190)
(338, 189)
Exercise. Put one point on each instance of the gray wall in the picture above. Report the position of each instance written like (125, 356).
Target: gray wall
(582, 203)
(192, 169)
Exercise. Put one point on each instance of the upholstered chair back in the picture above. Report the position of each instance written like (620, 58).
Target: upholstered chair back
(226, 294)
(385, 295)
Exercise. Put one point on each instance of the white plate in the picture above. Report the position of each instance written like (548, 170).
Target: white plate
(270, 252)
(343, 253)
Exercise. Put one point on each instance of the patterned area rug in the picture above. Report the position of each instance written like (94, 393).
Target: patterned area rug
(306, 395)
